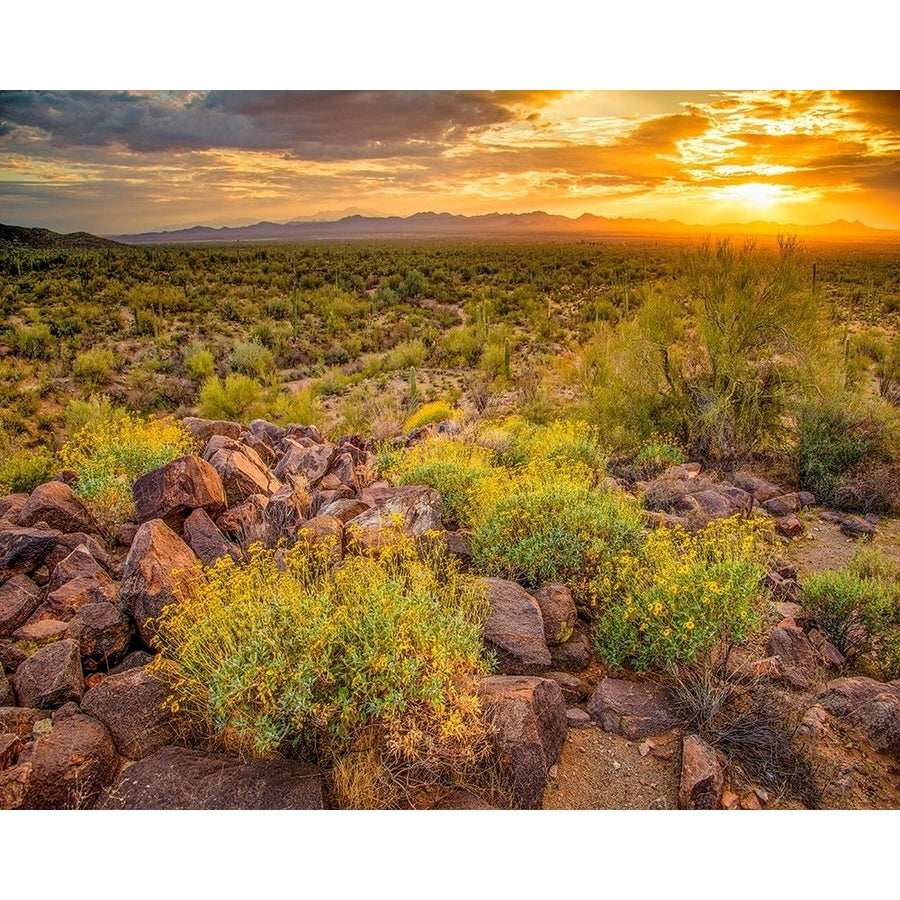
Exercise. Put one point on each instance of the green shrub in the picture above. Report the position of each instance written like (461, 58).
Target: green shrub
(858, 606)
(436, 411)
(669, 602)
(535, 529)
(93, 368)
(23, 471)
(33, 341)
(97, 408)
(292, 655)
(199, 361)
(238, 399)
(252, 358)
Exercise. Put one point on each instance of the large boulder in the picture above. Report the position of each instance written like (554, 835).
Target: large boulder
(411, 511)
(71, 764)
(65, 601)
(23, 550)
(103, 633)
(514, 628)
(323, 531)
(202, 430)
(56, 504)
(633, 709)
(174, 490)
(796, 655)
(310, 462)
(204, 538)
(51, 677)
(702, 778)
(19, 598)
(558, 612)
(873, 707)
(243, 473)
(158, 566)
(761, 489)
(132, 707)
(177, 778)
(529, 715)
(11, 507)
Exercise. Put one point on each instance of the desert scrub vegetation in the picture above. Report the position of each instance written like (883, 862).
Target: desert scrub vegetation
(858, 606)
(429, 413)
(670, 601)
(108, 454)
(368, 668)
(21, 471)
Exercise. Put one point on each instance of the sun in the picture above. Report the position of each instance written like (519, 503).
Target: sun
(754, 194)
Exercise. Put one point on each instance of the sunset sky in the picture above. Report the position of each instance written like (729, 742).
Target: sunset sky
(119, 162)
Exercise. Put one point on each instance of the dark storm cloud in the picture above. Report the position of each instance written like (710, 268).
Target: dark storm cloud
(313, 125)
(879, 108)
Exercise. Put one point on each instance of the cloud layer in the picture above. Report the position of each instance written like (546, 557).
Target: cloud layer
(127, 161)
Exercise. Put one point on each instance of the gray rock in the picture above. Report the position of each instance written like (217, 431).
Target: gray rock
(873, 707)
(310, 462)
(578, 718)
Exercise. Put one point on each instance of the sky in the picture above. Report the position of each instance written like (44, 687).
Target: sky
(117, 161)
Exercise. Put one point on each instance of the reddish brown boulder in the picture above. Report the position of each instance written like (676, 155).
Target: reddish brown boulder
(202, 430)
(797, 658)
(574, 690)
(174, 490)
(103, 634)
(632, 709)
(25, 722)
(310, 462)
(343, 468)
(514, 628)
(41, 632)
(56, 504)
(761, 489)
(345, 510)
(461, 799)
(11, 507)
(323, 531)
(789, 526)
(19, 598)
(50, 677)
(529, 715)
(243, 474)
(557, 611)
(71, 764)
(66, 543)
(65, 601)
(574, 655)
(785, 505)
(132, 707)
(287, 508)
(158, 565)
(23, 550)
(78, 563)
(247, 523)
(13, 785)
(7, 697)
(177, 778)
(204, 538)
(873, 707)
(10, 745)
(412, 511)
(701, 775)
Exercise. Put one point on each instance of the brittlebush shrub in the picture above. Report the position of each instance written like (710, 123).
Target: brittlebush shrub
(22, 471)
(427, 414)
(107, 457)
(668, 603)
(290, 655)
(858, 606)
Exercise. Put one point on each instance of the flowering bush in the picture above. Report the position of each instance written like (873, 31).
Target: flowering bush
(436, 411)
(290, 654)
(672, 600)
(108, 455)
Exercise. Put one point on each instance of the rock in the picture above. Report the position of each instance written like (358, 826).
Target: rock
(530, 717)
(203, 429)
(19, 598)
(248, 522)
(70, 765)
(578, 718)
(132, 707)
(23, 722)
(11, 507)
(103, 634)
(204, 538)
(722, 501)
(176, 489)
(134, 659)
(178, 778)
(785, 505)
(514, 628)
(22, 550)
(41, 632)
(557, 611)
(159, 563)
(761, 489)
(343, 468)
(66, 543)
(79, 563)
(632, 709)
(742, 667)
(66, 601)
(574, 690)
(701, 775)
(7, 697)
(461, 799)
(50, 677)
(13, 784)
(872, 707)
(412, 511)
(730, 800)
(268, 430)
(828, 653)
(783, 590)
(574, 655)
(323, 531)
(310, 462)
(57, 505)
(345, 510)
(287, 508)
(856, 527)
(243, 474)
(262, 445)
(10, 745)
(309, 432)
(796, 655)
(789, 526)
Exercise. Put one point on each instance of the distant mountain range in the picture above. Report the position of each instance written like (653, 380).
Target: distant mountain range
(493, 225)
(14, 237)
